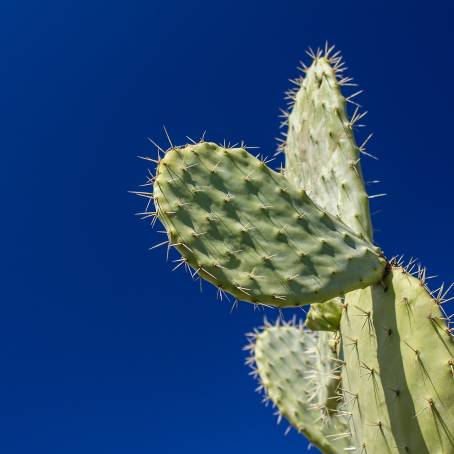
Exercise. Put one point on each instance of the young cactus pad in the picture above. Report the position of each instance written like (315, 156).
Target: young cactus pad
(300, 372)
(376, 373)
(320, 150)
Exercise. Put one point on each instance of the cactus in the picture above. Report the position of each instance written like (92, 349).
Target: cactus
(371, 370)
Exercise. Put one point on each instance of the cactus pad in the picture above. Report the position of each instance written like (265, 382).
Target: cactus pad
(321, 152)
(249, 231)
(300, 374)
(398, 382)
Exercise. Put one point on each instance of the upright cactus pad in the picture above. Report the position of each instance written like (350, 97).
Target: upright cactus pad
(249, 231)
(376, 373)
(320, 150)
(397, 380)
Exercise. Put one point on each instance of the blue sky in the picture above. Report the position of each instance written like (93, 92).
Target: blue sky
(103, 349)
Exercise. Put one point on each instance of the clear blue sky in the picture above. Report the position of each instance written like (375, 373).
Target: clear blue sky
(103, 349)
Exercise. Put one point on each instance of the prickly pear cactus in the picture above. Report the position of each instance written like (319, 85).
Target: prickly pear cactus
(371, 369)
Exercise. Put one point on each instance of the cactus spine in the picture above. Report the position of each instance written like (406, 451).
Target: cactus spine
(372, 368)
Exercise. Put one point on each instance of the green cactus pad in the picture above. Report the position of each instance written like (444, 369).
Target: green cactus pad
(398, 380)
(324, 316)
(299, 373)
(249, 231)
(321, 152)
(322, 157)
